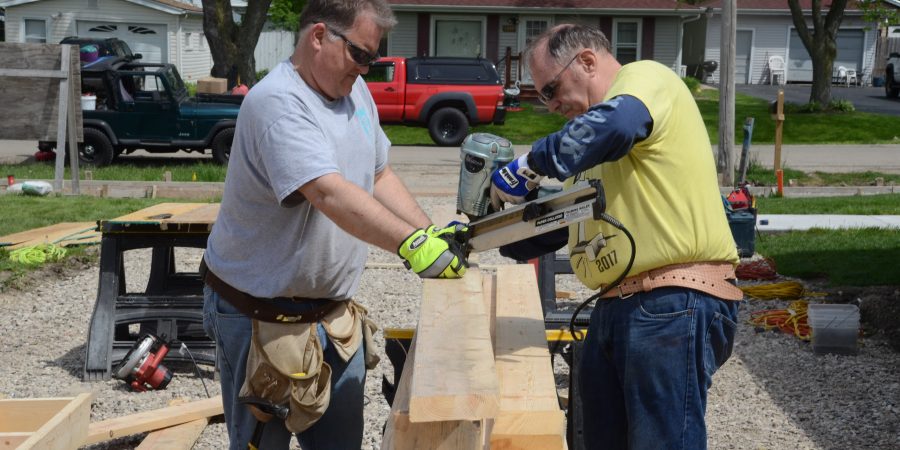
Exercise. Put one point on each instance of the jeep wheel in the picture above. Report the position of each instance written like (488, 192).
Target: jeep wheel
(221, 146)
(448, 127)
(890, 86)
(96, 150)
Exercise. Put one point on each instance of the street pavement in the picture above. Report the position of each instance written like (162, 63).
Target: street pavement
(866, 99)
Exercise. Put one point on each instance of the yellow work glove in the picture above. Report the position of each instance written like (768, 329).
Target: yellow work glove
(454, 230)
(433, 256)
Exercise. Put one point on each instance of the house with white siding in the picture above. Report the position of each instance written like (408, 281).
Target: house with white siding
(765, 28)
(638, 29)
(168, 31)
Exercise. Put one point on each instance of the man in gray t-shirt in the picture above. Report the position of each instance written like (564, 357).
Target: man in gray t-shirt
(308, 187)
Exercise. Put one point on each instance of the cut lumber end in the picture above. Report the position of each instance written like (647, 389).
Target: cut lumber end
(544, 430)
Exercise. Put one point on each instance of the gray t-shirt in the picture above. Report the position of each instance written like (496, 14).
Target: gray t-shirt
(268, 241)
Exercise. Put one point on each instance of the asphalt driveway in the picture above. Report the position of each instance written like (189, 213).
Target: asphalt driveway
(866, 99)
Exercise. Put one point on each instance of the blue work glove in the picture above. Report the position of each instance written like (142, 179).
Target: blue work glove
(513, 182)
(433, 256)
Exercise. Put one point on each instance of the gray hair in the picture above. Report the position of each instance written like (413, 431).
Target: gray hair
(563, 41)
(341, 14)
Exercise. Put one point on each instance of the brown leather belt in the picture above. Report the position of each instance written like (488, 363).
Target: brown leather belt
(713, 278)
(265, 309)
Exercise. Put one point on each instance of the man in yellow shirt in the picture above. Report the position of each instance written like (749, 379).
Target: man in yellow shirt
(656, 339)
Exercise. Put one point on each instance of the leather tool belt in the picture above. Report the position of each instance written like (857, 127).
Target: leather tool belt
(714, 278)
(264, 309)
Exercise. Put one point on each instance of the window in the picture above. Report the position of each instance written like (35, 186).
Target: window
(458, 37)
(380, 72)
(35, 31)
(627, 40)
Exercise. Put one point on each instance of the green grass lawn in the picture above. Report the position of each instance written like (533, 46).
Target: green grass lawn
(799, 127)
(852, 257)
(524, 127)
(521, 127)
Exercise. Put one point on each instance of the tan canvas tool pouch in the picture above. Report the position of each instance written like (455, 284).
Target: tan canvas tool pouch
(285, 367)
(350, 326)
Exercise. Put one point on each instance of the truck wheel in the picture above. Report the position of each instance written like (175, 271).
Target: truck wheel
(448, 127)
(890, 85)
(221, 146)
(96, 150)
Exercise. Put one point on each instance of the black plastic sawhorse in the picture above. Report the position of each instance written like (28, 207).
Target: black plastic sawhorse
(170, 307)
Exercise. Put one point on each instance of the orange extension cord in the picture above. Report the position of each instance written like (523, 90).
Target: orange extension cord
(792, 320)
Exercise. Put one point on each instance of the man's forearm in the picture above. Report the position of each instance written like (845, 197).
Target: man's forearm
(393, 194)
(357, 212)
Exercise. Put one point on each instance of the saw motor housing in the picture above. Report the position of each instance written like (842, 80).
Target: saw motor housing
(142, 367)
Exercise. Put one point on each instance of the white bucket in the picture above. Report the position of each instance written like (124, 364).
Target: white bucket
(88, 102)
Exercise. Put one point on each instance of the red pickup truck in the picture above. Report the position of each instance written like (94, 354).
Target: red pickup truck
(444, 94)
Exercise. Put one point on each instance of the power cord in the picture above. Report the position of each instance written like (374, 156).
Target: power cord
(576, 335)
(184, 348)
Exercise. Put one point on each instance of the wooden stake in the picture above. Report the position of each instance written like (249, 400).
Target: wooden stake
(779, 126)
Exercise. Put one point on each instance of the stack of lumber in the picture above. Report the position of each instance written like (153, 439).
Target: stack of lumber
(478, 374)
(62, 234)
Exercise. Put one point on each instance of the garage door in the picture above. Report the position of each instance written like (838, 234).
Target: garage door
(849, 54)
(146, 39)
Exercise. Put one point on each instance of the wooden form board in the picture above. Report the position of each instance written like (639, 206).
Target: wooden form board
(32, 96)
(64, 233)
(47, 423)
(176, 437)
(529, 416)
(178, 217)
(153, 420)
(454, 378)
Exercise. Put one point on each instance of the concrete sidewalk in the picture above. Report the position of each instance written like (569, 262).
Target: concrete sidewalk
(772, 223)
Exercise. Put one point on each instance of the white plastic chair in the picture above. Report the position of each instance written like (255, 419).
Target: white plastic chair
(847, 76)
(777, 68)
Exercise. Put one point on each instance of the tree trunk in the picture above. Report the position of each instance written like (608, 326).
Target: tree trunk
(232, 45)
(819, 43)
(823, 64)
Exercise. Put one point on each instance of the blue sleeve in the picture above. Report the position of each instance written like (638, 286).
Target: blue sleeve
(606, 132)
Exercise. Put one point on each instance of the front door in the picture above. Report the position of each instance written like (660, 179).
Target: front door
(743, 46)
(531, 27)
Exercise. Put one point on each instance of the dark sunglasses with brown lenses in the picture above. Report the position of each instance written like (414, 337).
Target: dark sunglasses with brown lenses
(359, 55)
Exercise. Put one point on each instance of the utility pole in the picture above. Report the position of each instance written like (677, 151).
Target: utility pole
(725, 163)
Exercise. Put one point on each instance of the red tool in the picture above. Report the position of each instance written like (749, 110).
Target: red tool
(142, 367)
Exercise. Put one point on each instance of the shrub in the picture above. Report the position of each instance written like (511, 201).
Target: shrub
(260, 74)
(841, 105)
(692, 84)
(191, 88)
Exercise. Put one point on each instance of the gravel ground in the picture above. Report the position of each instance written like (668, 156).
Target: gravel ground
(773, 393)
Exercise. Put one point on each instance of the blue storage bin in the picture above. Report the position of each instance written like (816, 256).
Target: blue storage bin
(743, 226)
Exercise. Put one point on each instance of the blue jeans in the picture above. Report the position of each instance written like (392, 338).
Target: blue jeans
(647, 364)
(341, 427)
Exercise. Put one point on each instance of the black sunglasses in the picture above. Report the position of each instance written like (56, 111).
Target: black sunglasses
(359, 55)
(545, 95)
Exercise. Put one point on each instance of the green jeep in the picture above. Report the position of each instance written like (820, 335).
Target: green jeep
(146, 106)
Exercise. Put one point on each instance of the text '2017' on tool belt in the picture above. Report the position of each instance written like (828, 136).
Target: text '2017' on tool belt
(263, 308)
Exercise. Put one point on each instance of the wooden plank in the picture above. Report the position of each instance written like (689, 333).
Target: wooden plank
(454, 377)
(9, 441)
(157, 213)
(153, 420)
(401, 434)
(537, 430)
(49, 234)
(66, 429)
(177, 437)
(206, 213)
(530, 417)
(28, 414)
(33, 73)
